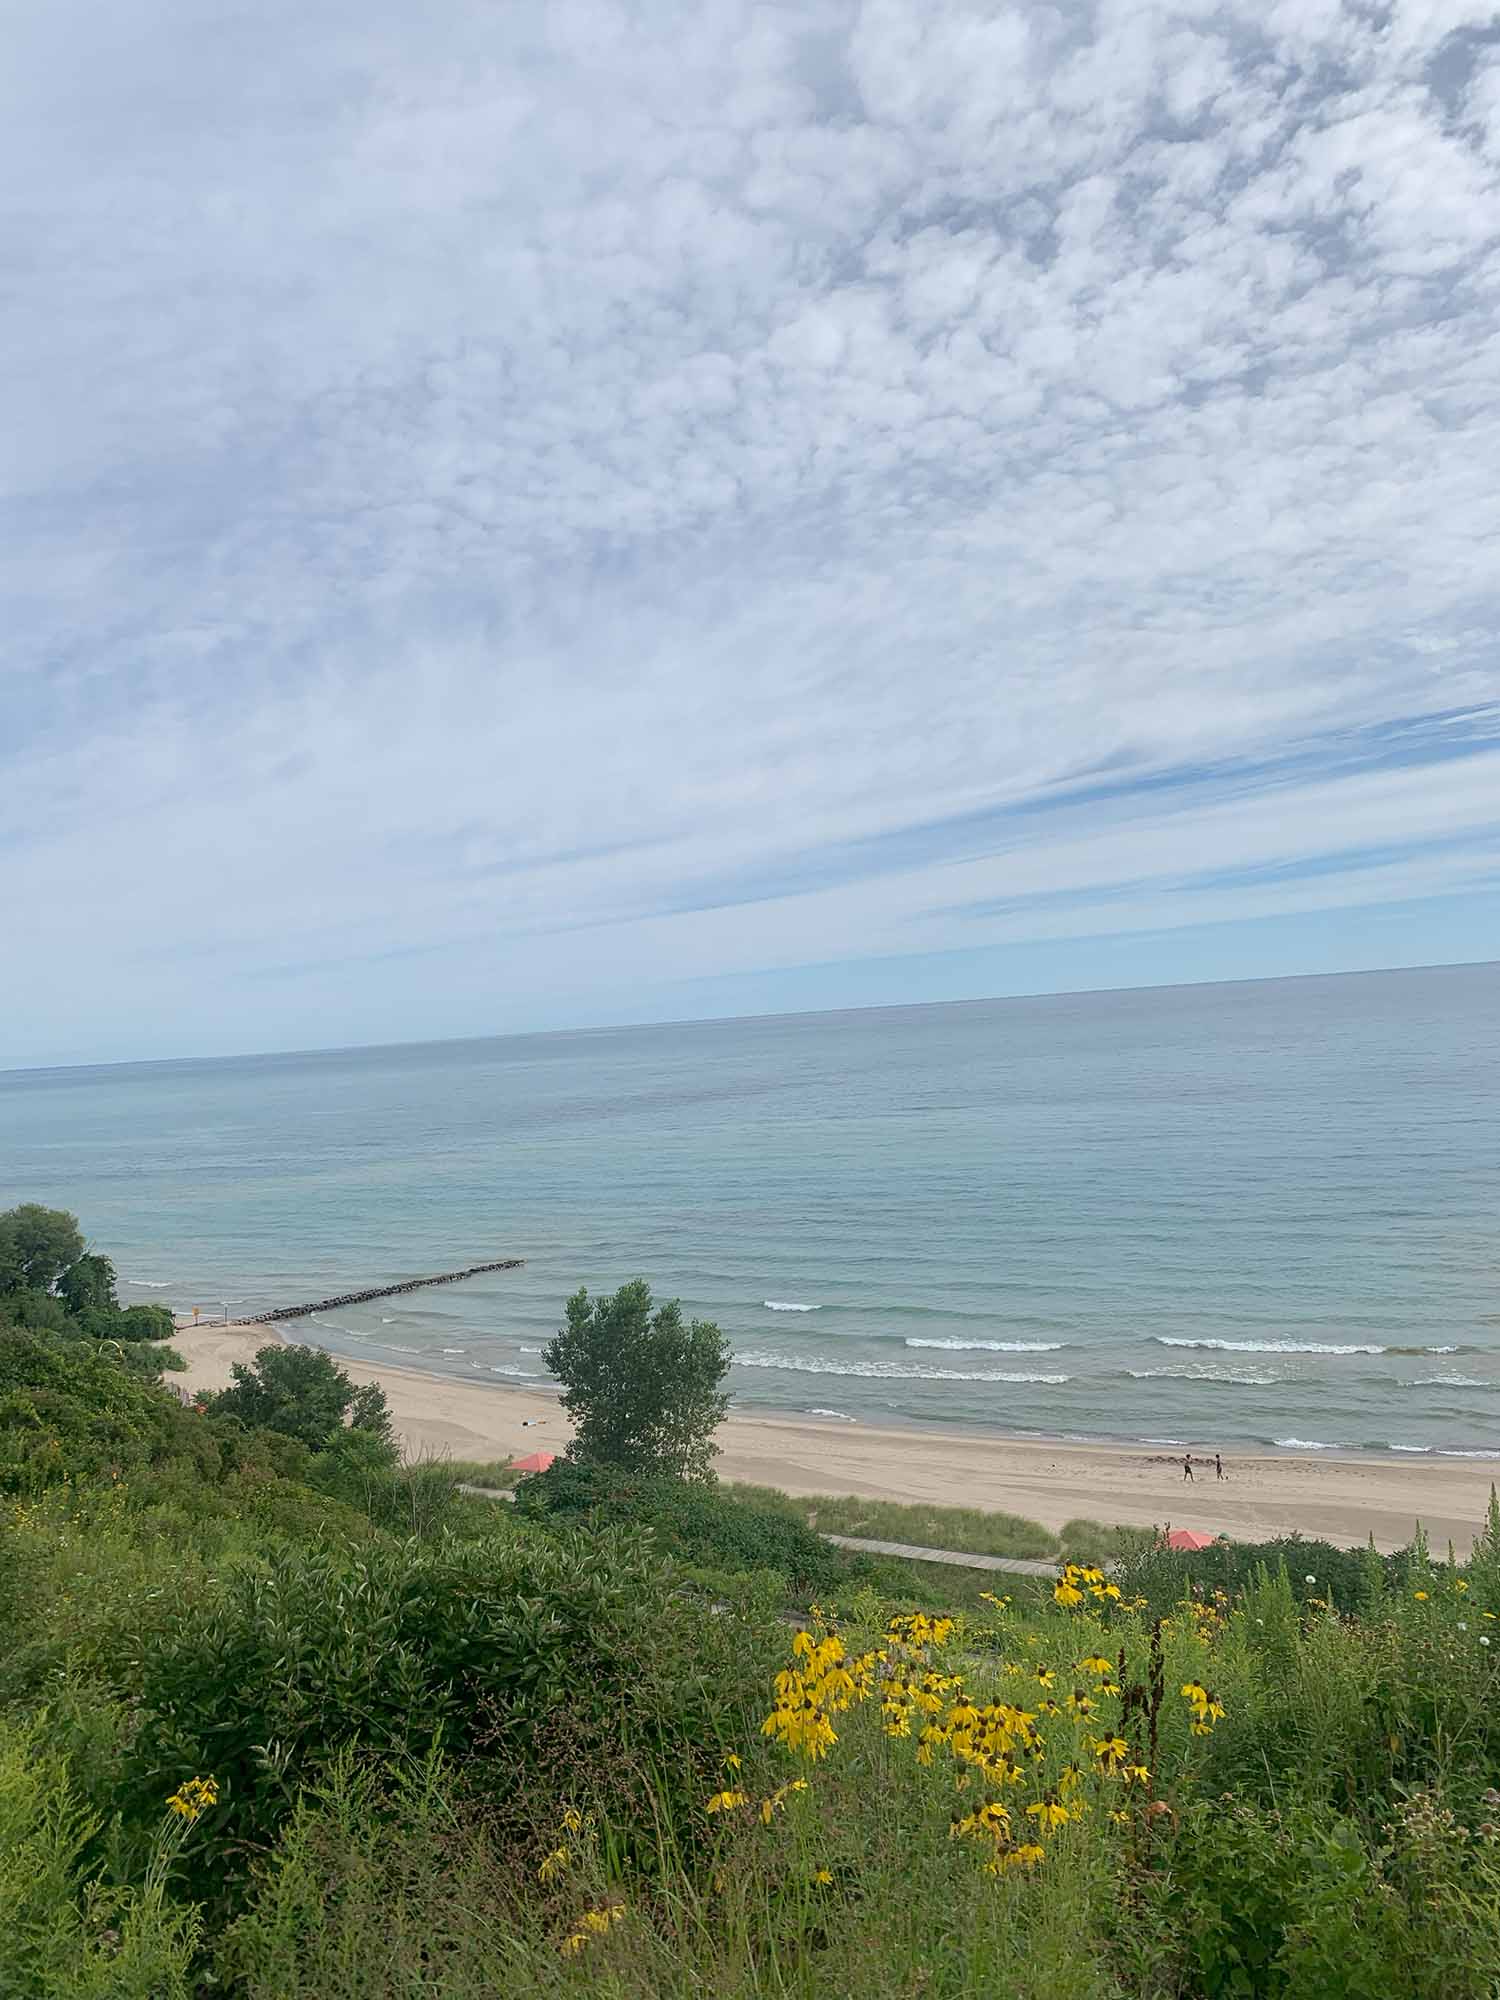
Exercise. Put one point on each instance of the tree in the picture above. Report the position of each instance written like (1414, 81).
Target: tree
(642, 1387)
(301, 1393)
(88, 1285)
(36, 1246)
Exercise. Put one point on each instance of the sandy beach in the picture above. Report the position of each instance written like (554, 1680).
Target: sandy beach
(1341, 1498)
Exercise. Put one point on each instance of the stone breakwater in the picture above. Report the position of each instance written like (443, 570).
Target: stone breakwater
(380, 1292)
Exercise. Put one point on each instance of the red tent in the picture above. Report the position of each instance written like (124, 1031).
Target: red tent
(1185, 1538)
(537, 1462)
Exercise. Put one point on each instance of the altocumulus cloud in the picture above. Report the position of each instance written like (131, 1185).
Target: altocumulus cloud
(535, 513)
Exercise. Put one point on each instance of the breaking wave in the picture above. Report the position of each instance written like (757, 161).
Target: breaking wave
(884, 1371)
(788, 1306)
(990, 1346)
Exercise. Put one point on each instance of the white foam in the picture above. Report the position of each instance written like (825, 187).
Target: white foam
(1307, 1444)
(531, 1350)
(164, 1285)
(1272, 1346)
(990, 1346)
(455, 1350)
(1446, 1382)
(841, 1416)
(1203, 1373)
(787, 1306)
(1442, 1453)
(882, 1371)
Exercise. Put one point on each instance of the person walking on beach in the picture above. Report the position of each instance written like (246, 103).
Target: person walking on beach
(1187, 1466)
(1218, 1466)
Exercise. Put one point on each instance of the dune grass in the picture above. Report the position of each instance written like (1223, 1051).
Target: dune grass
(497, 1474)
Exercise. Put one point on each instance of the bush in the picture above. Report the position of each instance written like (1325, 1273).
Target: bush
(690, 1519)
(68, 1410)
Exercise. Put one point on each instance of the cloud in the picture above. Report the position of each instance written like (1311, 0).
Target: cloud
(577, 500)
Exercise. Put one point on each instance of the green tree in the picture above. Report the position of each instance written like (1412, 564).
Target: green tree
(642, 1387)
(301, 1393)
(36, 1246)
(88, 1285)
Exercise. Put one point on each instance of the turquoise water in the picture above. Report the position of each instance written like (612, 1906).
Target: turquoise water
(1260, 1213)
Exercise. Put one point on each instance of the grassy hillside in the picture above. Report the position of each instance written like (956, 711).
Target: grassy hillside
(295, 1723)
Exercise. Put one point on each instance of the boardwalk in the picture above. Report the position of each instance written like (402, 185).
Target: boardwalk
(1013, 1565)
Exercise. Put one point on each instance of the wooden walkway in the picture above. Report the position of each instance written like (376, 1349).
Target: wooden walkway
(1012, 1565)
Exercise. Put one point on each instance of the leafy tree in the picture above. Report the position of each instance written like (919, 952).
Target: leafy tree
(88, 1285)
(301, 1393)
(38, 1311)
(642, 1387)
(36, 1246)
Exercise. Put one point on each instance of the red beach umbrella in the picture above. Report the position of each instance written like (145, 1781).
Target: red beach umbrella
(537, 1462)
(1186, 1538)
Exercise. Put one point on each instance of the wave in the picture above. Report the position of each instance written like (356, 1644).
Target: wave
(160, 1285)
(531, 1350)
(455, 1350)
(1447, 1382)
(1272, 1346)
(842, 1416)
(990, 1346)
(883, 1371)
(1203, 1374)
(518, 1374)
(1307, 1444)
(788, 1306)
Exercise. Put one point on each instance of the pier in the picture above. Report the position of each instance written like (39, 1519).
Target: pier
(380, 1292)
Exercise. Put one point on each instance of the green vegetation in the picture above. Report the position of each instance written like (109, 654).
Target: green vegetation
(302, 1393)
(49, 1283)
(284, 1720)
(644, 1388)
(969, 1530)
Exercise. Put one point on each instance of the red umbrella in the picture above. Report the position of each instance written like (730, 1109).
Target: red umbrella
(537, 1462)
(1185, 1538)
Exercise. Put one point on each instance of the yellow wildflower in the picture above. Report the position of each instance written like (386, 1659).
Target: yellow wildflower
(822, 1877)
(193, 1797)
(1420, 1596)
(553, 1864)
(1048, 1813)
(728, 1801)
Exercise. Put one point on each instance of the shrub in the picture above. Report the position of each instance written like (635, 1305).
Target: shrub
(690, 1519)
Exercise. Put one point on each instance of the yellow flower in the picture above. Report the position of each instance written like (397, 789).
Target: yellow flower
(731, 1762)
(1420, 1596)
(728, 1801)
(1111, 1751)
(1030, 1854)
(1096, 1663)
(1048, 1813)
(822, 1877)
(193, 1797)
(553, 1864)
(1068, 1595)
(572, 1820)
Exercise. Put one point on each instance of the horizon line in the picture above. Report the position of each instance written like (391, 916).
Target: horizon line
(730, 1020)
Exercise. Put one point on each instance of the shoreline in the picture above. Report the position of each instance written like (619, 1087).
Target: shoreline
(1334, 1496)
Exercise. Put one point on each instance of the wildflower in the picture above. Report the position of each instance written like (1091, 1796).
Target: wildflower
(553, 1864)
(599, 1921)
(1119, 1818)
(731, 1762)
(1096, 1663)
(769, 1807)
(1111, 1751)
(1311, 1578)
(1030, 1854)
(821, 1877)
(1068, 1595)
(1420, 1596)
(1048, 1813)
(1459, 1584)
(1484, 1638)
(1463, 1624)
(728, 1801)
(1136, 1774)
(1045, 1677)
(193, 1797)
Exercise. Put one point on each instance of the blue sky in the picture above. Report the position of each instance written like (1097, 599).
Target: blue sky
(538, 516)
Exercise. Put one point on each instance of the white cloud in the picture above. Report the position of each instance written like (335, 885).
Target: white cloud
(558, 467)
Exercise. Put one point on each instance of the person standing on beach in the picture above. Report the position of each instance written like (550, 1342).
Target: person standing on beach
(1218, 1466)
(1187, 1465)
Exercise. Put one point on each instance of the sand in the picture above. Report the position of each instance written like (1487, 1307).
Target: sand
(1341, 1498)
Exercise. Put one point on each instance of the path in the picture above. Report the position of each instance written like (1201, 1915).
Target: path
(1016, 1565)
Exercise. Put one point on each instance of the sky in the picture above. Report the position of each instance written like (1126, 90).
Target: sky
(542, 515)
